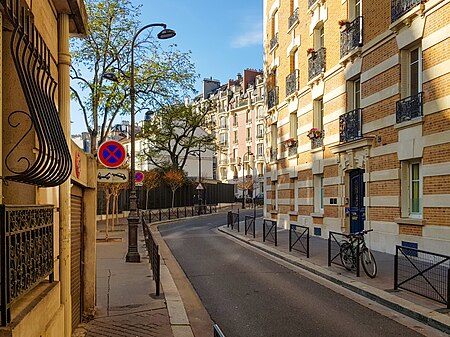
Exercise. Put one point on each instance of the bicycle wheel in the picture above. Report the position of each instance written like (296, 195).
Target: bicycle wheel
(346, 255)
(368, 262)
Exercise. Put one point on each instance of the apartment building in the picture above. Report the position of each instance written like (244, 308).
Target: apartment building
(358, 121)
(237, 120)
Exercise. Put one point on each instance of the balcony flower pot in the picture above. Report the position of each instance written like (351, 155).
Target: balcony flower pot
(314, 133)
(311, 52)
(290, 142)
(344, 23)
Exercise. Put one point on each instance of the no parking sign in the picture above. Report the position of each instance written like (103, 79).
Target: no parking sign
(139, 178)
(111, 154)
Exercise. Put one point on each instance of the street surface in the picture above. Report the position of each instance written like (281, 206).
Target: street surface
(249, 294)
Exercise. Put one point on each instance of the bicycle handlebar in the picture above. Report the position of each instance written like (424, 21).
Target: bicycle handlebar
(361, 233)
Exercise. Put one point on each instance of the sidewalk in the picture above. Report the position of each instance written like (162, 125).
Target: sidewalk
(379, 289)
(126, 301)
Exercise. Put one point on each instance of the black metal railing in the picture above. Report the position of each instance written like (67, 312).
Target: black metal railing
(153, 255)
(26, 234)
(51, 163)
(335, 241)
(401, 7)
(152, 215)
(250, 225)
(292, 150)
(299, 239)
(270, 231)
(409, 108)
(272, 98)
(350, 126)
(273, 41)
(424, 273)
(233, 219)
(273, 154)
(292, 82)
(217, 331)
(293, 19)
(316, 63)
(317, 142)
(352, 36)
(311, 2)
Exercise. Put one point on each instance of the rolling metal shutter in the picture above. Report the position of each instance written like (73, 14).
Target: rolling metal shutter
(76, 255)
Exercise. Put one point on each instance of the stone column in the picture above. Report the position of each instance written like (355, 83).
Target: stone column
(64, 189)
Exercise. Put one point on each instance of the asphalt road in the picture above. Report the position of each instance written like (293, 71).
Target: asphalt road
(248, 294)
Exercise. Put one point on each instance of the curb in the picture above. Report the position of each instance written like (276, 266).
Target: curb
(432, 318)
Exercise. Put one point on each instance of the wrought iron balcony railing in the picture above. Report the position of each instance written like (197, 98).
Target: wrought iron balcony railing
(350, 126)
(259, 136)
(293, 18)
(317, 142)
(316, 63)
(273, 154)
(26, 240)
(292, 82)
(272, 98)
(292, 150)
(409, 108)
(401, 7)
(311, 2)
(273, 41)
(352, 36)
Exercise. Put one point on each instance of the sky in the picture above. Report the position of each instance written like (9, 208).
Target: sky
(224, 36)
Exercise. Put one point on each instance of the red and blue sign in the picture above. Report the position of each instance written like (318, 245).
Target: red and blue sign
(139, 177)
(111, 154)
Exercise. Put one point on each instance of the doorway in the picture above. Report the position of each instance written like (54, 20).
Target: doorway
(357, 193)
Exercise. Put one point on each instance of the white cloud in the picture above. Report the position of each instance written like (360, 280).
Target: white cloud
(250, 37)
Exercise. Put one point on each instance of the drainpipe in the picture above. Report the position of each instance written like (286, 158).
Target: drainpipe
(64, 189)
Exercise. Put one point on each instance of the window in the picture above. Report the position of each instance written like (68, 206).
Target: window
(293, 5)
(293, 58)
(414, 72)
(223, 138)
(354, 9)
(235, 136)
(293, 124)
(249, 134)
(275, 24)
(259, 150)
(354, 94)
(273, 133)
(260, 112)
(223, 122)
(319, 37)
(235, 154)
(318, 114)
(412, 189)
(249, 116)
(318, 193)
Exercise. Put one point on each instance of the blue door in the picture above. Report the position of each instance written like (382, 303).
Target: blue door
(357, 209)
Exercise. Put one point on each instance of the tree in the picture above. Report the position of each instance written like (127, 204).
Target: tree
(152, 180)
(175, 179)
(173, 134)
(160, 75)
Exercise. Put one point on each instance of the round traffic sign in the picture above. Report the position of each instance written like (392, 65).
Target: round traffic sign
(139, 177)
(111, 154)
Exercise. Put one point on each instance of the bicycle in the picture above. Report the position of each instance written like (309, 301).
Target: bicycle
(349, 251)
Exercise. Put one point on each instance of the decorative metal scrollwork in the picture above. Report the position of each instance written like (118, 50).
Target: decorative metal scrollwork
(52, 165)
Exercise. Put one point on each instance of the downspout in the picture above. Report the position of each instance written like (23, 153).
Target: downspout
(64, 189)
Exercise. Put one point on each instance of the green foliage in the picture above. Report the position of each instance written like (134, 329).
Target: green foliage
(161, 76)
(173, 134)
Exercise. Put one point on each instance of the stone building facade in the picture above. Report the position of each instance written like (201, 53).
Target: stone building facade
(237, 120)
(48, 184)
(358, 104)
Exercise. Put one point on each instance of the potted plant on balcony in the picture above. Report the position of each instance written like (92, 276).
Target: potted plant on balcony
(314, 133)
(311, 52)
(344, 23)
(290, 142)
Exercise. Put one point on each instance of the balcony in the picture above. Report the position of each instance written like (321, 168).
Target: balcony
(292, 150)
(351, 36)
(293, 19)
(27, 252)
(273, 154)
(401, 7)
(292, 82)
(272, 98)
(409, 108)
(316, 63)
(317, 141)
(273, 41)
(350, 126)
(311, 2)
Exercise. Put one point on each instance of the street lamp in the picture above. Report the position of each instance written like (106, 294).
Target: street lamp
(133, 217)
(248, 153)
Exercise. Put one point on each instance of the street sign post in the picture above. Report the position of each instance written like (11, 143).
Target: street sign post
(111, 154)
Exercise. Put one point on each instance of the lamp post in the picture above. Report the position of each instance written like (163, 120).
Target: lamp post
(248, 153)
(133, 217)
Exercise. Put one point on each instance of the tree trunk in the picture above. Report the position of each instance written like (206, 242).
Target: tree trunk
(146, 200)
(173, 198)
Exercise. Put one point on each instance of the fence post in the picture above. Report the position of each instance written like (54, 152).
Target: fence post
(329, 249)
(396, 268)
(254, 227)
(185, 212)
(448, 288)
(307, 243)
(264, 230)
(290, 239)
(160, 214)
(158, 271)
(357, 257)
(276, 235)
(178, 212)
